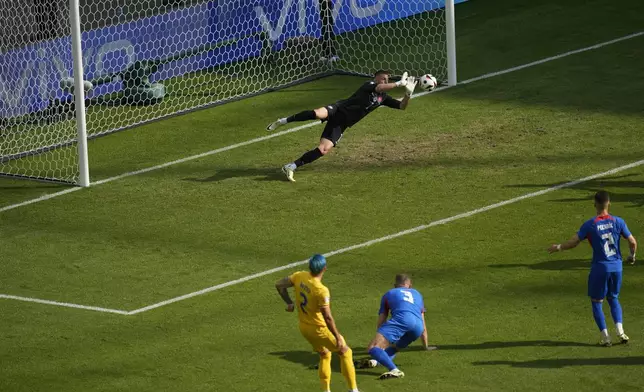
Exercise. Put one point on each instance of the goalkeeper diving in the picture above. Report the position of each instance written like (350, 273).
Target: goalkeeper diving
(346, 113)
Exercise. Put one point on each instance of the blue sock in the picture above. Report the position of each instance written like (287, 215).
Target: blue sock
(615, 309)
(381, 356)
(391, 351)
(598, 313)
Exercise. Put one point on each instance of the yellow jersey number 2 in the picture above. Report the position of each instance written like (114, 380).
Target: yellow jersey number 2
(303, 303)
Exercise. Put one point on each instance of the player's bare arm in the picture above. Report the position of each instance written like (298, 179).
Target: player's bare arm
(404, 102)
(571, 243)
(632, 245)
(330, 323)
(424, 336)
(409, 82)
(383, 85)
(383, 88)
(282, 287)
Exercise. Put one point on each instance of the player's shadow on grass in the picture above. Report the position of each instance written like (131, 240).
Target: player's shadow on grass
(556, 363)
(310, 360)
(305, 358)
(550, 265)
(261, 174)
(613, 181)
(636, 199)
(495, 345)
(487, 346)
(593, 186)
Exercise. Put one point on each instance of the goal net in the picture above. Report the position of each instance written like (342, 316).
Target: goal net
(150, 59)
(37, 138)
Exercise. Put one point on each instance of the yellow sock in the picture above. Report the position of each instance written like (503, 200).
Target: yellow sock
(324, 371)
(348, 370)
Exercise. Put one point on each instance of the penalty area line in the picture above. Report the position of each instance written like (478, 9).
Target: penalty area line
(331, 253)
(339, 251)
(390, 236)
(308, 125)
(64, 304)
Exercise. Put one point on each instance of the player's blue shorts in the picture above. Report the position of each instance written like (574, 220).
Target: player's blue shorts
(402, 331)
(602, 284)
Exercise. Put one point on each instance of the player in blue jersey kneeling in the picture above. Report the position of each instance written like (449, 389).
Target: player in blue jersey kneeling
(406, 325)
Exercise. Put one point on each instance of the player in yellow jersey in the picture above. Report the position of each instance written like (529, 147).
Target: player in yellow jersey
(316, 322)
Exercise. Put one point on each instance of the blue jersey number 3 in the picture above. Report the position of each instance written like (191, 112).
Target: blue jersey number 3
(407, 296)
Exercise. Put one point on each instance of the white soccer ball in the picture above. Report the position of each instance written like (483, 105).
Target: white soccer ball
(428, 82)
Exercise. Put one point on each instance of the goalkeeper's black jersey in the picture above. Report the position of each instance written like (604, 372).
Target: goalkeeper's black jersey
(363, 102)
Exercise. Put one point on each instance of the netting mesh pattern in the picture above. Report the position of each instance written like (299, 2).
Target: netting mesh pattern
(148, 59)
(30, 120)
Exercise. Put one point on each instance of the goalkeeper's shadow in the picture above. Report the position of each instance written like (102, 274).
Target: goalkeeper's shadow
(258, 174)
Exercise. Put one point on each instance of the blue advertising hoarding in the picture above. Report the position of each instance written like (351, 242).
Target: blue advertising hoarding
(30, 76)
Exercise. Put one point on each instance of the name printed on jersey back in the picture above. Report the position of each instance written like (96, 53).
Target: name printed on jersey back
(606, 226)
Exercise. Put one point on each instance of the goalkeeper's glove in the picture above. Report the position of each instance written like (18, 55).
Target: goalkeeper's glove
(403, 80)
(410, 86)
(631, 259)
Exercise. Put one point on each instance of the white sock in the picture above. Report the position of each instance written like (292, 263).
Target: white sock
(620, 328)
(282, 120)
(292, 166)
(605, 333)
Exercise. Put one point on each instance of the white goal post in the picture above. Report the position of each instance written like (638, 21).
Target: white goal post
(79, 94)
(142, 60)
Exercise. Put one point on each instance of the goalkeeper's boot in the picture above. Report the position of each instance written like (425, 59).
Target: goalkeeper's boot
(366, 363)
(605, 341)
(289, 169)
(396, 373)
(276, 124)
(623, 339)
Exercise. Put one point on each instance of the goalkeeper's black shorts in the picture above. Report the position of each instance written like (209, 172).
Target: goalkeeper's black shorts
(333, 131)
(336, 124)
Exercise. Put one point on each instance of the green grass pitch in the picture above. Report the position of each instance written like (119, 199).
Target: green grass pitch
(506, 315)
